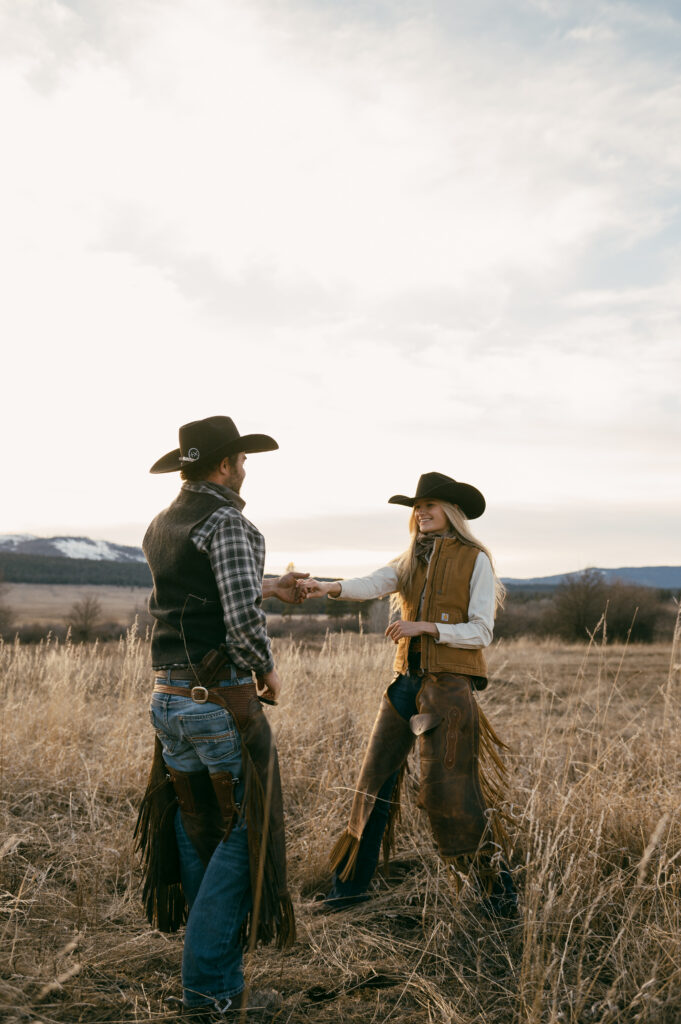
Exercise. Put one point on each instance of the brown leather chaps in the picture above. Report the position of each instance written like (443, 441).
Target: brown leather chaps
(389, 744)
(208, 812)
(448, 728)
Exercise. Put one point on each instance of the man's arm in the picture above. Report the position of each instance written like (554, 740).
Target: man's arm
(285, 587)
(240, 586)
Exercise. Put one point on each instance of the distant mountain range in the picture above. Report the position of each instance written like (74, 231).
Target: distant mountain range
(662, 577)
(69, 547)
(58, 560)
(36, 553)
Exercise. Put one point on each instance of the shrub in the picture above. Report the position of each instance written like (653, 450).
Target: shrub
(633, 612)
(84, 618)
(522, 617)
(6, 614)
(579, 605)
(308, 627)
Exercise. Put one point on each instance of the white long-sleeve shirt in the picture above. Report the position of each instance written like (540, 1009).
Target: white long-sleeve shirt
(475, 633)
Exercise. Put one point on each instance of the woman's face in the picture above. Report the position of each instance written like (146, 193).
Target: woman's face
(430, 517)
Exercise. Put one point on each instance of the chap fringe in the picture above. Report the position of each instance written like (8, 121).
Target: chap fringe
(276, 921)
(345, 852)
(162, 893)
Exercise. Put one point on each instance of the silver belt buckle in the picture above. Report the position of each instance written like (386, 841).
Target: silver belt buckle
(195, 698)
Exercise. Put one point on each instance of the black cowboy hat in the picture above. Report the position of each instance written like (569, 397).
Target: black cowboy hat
(212, 438)
(437, 485)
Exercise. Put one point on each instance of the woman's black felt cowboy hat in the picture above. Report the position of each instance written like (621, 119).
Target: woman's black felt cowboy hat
(212, 438)
(437, 485)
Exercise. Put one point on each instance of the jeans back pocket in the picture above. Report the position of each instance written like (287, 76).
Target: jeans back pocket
(212, 734)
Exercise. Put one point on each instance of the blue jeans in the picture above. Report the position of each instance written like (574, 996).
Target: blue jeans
(402, 695)
(194, 737)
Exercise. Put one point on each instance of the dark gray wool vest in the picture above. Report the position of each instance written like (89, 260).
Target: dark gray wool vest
(185, 601)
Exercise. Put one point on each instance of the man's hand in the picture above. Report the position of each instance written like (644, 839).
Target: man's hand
(396, 630)
(268, 686)
(317, 588)
(288, 588)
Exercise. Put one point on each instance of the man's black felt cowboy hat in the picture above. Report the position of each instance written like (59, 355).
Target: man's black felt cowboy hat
(212, 438)
(437, 485)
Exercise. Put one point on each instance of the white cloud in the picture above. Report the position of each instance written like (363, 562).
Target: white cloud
(393, 245)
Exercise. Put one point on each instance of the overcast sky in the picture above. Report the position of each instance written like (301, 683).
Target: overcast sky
(397, 236)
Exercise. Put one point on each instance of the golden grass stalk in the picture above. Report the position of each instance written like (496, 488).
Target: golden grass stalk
(594, 789)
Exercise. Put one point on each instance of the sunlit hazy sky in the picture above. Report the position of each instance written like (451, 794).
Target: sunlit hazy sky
(397, 236)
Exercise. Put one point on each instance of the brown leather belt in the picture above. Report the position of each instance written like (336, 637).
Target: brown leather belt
(235, 699)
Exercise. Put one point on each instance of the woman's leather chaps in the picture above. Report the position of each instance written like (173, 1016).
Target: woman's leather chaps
(449, 741)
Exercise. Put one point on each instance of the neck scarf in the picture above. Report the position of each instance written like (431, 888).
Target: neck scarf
(425, 542)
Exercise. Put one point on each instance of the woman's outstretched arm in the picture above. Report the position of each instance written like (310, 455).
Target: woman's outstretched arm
(379, 583)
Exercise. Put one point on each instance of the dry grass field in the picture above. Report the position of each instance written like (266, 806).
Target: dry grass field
(48, 604)
(595, 773)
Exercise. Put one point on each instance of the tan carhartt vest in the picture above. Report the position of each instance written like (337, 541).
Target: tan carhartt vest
(447, 580)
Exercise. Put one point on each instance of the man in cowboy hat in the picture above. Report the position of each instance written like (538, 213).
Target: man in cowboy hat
(208, 641)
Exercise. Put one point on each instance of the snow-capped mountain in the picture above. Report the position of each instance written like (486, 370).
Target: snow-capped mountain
(69, 547)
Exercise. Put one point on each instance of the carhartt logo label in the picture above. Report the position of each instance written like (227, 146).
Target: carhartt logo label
(444, 617)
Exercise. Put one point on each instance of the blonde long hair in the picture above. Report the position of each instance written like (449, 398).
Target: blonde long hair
(407, 562)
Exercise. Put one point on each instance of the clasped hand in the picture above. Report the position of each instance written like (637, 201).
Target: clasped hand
(318, 588)
(295, 587)
(288, 587)
(402, 627)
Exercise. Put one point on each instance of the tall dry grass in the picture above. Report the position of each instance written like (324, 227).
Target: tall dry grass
(595, 770)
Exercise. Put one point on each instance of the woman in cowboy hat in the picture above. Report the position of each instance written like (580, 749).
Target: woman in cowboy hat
(446, 592)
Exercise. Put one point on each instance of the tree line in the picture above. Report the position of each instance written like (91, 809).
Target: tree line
(585, 604)
(15, 568)
(573, 611)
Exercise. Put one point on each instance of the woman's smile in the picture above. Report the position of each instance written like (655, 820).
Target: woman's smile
(430, 516)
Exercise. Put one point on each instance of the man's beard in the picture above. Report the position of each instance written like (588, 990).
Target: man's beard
(235, 482)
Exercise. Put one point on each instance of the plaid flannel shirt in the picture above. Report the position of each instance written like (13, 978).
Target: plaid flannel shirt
(236, 550)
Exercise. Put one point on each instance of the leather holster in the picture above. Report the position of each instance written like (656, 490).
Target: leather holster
(207, 808)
